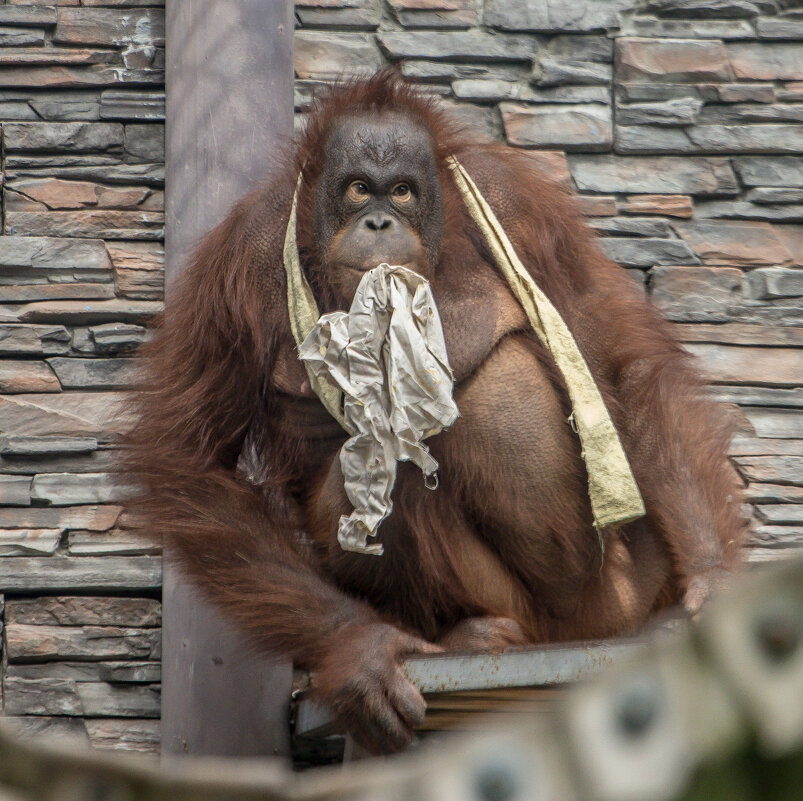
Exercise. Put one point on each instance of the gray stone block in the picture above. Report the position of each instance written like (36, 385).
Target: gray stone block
(774, 282)
(646, 252)
(27, 446)
(99, 461)
(709, 139)
(15, 491)
(770, 170)
(780, 28)
(21, 37)
(120, 543)
(586, 47)
(457, 45)
(73, 137)
(119, 672)
(678, 111)
(48, 253)
(727, 29)
(62, 697)
(549, 71)
(695, 294)
(145, 143)
(775, 469)
(776, 423)
(700, 9)
(132, 104)
(93, 373)
(632, 226)
(345, 19)
(554, 15)
(80, 574)
(27, 15)
(772, 194)
(85, 611)
(66, 489)
(742, 210)
(667, 174)
(773, 493)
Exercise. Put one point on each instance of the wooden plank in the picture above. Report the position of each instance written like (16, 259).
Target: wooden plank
(230, 104)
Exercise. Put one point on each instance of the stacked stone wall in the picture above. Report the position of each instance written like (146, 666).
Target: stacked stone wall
(81, 113)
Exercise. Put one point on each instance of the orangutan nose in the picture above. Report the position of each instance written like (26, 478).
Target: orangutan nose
(378, 221)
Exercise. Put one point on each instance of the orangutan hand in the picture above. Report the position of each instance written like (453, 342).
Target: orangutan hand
(361, 679)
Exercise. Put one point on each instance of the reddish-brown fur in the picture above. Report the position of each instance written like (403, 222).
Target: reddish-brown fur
(508, 534)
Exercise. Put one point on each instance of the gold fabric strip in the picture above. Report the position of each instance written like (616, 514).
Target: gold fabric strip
(615, 497)
(304, 314)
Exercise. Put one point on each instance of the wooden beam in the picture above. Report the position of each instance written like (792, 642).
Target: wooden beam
(229, 109)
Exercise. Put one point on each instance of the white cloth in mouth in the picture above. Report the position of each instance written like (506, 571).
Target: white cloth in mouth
(388, 356)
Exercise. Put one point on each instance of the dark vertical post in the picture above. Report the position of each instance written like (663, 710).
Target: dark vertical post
(229, 104)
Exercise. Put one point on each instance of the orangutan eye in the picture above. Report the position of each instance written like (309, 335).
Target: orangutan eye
(402, 193)
(358, 191)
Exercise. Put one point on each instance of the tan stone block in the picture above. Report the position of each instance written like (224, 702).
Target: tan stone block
(55, 193)
(321, 55)
(93, 518)
(741, 334)
(60, 76)
(27, 376)
(20, 56)
(23, 293)
(553, 164)
(672, 60)
(695, 293)
(73, 312)
(749, 365)
(96, 414)
(138, 255)
(585, 127)
(792, 238)
(759, 61)
(105, 223)
(735, 243)
(597, 205)
(747, 93)
(669, 205)
(791, 91)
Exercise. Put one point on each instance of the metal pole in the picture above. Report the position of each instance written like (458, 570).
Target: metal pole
(229, 107)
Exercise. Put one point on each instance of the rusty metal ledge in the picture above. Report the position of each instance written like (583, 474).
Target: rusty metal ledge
(535, 666)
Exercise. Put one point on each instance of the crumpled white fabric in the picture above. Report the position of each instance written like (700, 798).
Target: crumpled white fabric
(388, 356)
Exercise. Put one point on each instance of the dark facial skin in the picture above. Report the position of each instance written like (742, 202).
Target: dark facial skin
(378, 199)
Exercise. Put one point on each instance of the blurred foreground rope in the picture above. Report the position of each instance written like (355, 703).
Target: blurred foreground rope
(711, 713)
